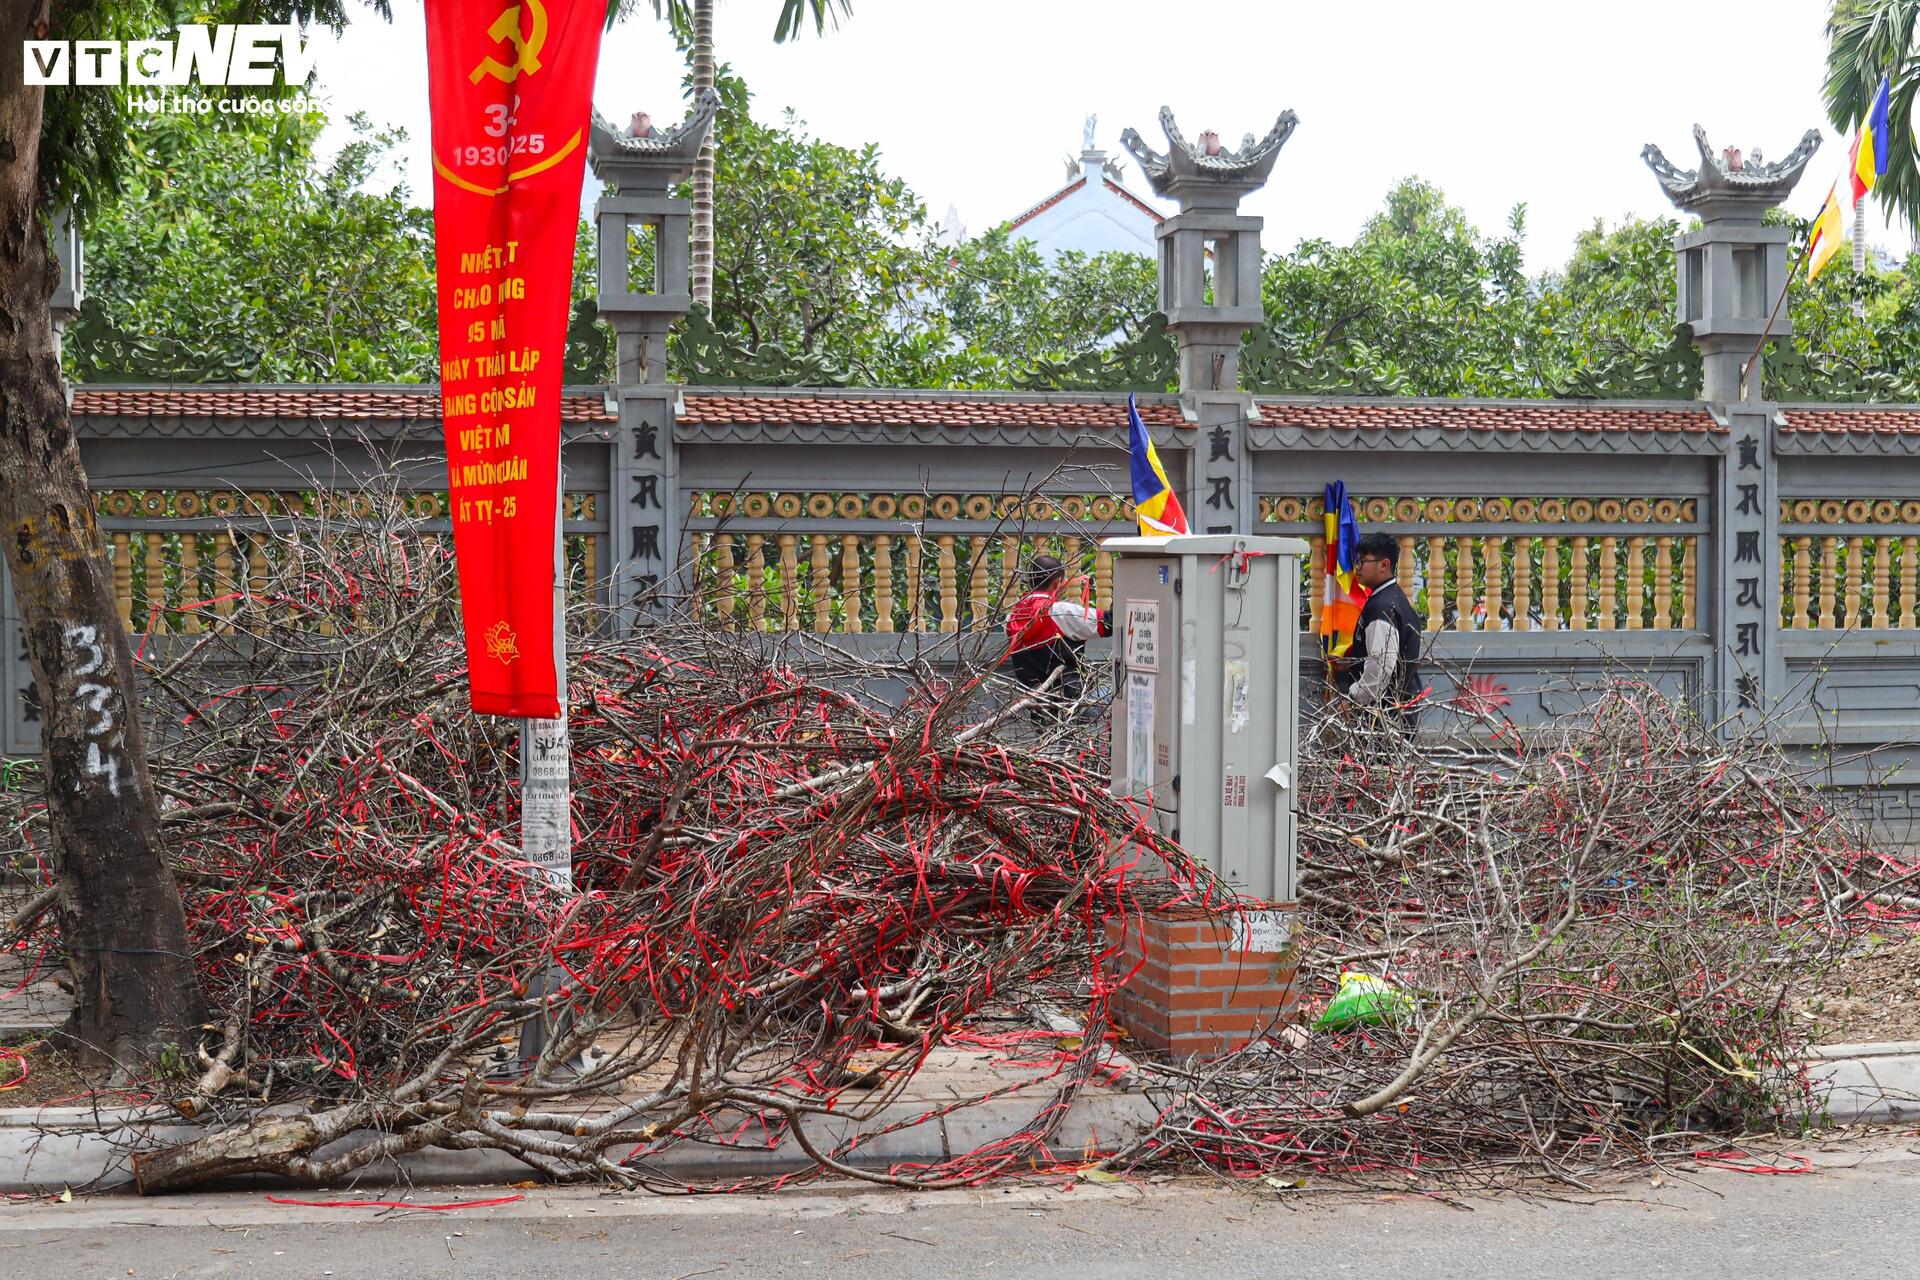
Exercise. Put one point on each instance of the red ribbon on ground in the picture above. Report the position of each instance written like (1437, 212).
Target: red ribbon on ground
(510, 84)
(395, 1204)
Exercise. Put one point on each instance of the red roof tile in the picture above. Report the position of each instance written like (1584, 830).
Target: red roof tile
(746, 408)
(1464, 415)
(385, 404)
(751, 406)
(1880, 421)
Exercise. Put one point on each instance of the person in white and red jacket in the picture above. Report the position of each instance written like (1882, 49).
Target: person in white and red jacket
(1047, 629)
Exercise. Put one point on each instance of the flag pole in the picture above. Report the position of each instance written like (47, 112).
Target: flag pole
(546, 793)
(1766, 330)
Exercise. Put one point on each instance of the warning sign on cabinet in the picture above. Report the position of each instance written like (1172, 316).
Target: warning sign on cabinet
(1143, 635)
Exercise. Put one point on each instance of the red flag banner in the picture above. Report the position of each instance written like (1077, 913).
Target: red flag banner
(510, 88)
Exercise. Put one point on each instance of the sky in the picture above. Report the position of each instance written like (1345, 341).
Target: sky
(1545, 102)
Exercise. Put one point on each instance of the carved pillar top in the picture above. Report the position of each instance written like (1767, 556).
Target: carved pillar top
(1732, 271)
(650, 164)
(1728, 186)
(1207, 175)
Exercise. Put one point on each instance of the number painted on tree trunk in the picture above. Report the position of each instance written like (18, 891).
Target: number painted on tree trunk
(98, 702)
(87, 638)
(96, 697)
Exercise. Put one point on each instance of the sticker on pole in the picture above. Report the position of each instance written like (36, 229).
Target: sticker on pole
(1139, 732)
(1267, 931)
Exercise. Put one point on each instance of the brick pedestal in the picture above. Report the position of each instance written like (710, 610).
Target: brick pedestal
(1206, 983)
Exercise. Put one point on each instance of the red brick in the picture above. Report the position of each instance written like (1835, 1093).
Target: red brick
(1182, 1001)
(1232, 1021)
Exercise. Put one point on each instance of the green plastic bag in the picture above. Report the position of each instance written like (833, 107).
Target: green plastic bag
(1363, 1000)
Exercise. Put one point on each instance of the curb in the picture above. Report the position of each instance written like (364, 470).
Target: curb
(46, 1149)
(1876, 1083)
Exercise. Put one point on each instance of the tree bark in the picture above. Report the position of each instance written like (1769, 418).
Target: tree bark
(701, 235)
(125, 933)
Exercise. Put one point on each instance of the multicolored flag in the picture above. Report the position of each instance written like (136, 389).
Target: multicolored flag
(1340, 608)
(1154, 503)
(1869, 155)
(1824, 240)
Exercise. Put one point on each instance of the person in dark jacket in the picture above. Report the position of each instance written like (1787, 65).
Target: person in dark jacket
(1046, 630)
(1383, 668)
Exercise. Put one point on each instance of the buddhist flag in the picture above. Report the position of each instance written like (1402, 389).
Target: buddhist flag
(1340, 607)
(1824, 239)
(1154, 504)
(1870, 148)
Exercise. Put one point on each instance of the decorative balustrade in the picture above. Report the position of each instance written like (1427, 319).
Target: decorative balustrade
(854, 563)
(1523, 564)
(183, 558)
(1849, 563)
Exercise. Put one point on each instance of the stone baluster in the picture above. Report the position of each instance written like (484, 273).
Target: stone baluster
(224, 582)
(1855, 576)
(722, 585)
(1882, 604)
(1463, 583)
(1689, 583)
(756, 582)
(1636, 583)
(789, 582)
(979, 590)
(1577, 587)
(1550, 583)
(821, 582)
(1829, 571)
(1800, 599)
(883, 583)
(916, 589)
(1662, 583)
(949, 596)
(850, 595)
(1909, 572)
(1496, 589)
(1609, 571)
(1436, 583)
(1523, 584)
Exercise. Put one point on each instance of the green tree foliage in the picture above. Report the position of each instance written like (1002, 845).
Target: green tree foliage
(235, 254)
(88, 142)
(816, 249)
(1867, 40)
(1421, 304)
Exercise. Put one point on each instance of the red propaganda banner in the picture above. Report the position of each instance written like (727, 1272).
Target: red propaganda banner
(510, 87)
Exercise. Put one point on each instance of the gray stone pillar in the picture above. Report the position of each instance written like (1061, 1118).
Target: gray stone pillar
(1732, 269)
(1742, 587)
(645, 516)
(1209, 274)
(1732, 274)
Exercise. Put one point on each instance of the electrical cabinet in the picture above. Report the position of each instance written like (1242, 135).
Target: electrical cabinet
(1206, 637)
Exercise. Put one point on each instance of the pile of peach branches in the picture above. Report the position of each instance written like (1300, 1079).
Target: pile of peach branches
(1594, 925)
(800, 876)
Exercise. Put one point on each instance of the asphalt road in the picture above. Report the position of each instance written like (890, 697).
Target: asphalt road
(1852, 1217)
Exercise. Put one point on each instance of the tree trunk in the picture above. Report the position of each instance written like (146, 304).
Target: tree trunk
(701, 269)
(125, 933)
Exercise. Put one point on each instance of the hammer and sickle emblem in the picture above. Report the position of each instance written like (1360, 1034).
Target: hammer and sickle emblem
(526, 49)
